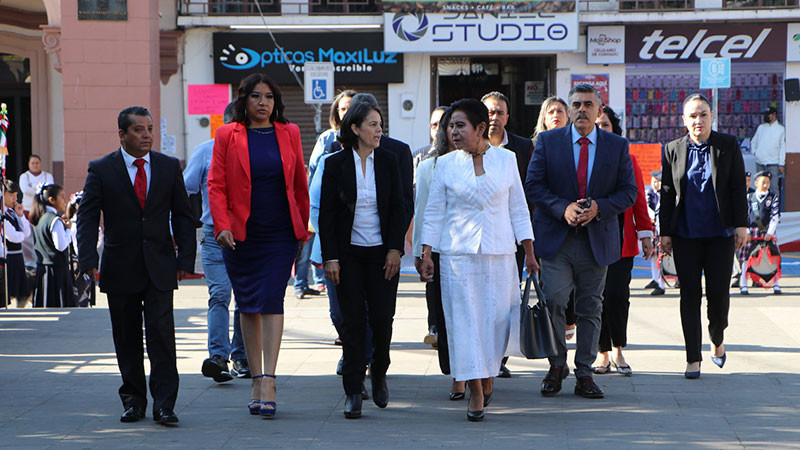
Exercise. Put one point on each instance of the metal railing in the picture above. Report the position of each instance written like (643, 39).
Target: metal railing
(656, 5)
(228, 7)
(344, 7)
(748, 4)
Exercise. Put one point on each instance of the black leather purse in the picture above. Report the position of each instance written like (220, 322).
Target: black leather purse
(536, 337)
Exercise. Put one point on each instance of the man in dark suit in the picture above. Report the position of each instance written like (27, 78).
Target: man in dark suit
(499, 112)
(137, 190)
(580, 178)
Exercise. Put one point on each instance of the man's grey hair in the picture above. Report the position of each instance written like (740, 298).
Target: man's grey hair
(230, 111)
(584, 89)
(368, 99)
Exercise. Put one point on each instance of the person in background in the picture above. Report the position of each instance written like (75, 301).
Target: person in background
(741, 254)
(769, 147)
(53, 287)
(442, 144)
(703, 221)
(425, 151)
(72, 217)
(764, 214)
(325, 142)
(552, 115)
(635, 227)
(30, 180)
(15, 228)
(654, 205)
(258, 195)
(220, 345)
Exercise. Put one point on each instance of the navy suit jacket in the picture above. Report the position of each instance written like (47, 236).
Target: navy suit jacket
(552, 184)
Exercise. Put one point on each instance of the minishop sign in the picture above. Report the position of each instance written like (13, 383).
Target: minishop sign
(480, 32)
(356, 57)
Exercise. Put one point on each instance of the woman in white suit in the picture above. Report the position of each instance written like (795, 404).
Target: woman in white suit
(476, 213)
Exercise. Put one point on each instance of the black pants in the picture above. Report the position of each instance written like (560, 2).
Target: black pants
(693, 258)
(433, 294)
(365, 295)
(126, 325)
(616, 303)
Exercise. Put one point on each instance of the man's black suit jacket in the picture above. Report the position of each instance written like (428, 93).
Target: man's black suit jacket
(523, 148)
(138, 246)
(338, 203)
(727, 173)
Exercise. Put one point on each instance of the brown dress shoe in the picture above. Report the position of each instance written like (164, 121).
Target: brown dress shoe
(551, 384)
(586, 387)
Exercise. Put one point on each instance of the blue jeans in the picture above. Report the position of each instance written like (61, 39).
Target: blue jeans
(219, 300)
(336, 317)
(301, 266)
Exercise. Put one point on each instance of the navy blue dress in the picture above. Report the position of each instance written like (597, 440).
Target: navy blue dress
(260, 267)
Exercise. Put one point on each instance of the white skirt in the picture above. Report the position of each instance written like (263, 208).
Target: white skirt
(480, 298)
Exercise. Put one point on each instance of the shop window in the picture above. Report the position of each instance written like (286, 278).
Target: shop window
(657, 4)
(229, 7)
(741, 4)
(344, 7)
(654, 105)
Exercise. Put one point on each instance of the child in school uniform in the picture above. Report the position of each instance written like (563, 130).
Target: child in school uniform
(764, 216)
(15, 229)
(84, 286)
(52, 238)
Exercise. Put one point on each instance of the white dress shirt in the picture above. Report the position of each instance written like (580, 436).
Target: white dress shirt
(61, 238)
(28, 183)
(366, 222)
(465, 215)
(129, 159)
(769, 144)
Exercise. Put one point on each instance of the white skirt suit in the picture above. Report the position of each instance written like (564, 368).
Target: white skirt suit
(476, 223)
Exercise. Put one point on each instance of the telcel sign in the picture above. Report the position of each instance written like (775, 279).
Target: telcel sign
(480, 32)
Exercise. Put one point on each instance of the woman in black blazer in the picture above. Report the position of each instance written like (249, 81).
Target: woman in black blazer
(703, 218)
(361, 230)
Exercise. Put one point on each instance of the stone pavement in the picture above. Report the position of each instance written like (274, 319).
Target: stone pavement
(58, 383)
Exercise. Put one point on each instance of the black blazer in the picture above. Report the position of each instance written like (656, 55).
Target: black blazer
(523, 148)
(338, 202)
(138, 246)
(727, 175)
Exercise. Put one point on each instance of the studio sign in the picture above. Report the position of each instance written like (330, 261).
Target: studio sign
(691, 43)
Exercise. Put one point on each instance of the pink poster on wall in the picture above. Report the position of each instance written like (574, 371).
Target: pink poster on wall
(208, 98)
(599, 81)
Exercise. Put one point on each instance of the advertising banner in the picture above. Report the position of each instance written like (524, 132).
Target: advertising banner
(605, 45)
(599, 81)
(475, 33)
(793, 42)
(485, 6)
(357, 58)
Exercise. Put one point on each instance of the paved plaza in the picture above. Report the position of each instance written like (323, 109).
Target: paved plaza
(58, 383)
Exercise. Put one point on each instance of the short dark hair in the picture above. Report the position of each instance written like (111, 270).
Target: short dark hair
(355, 115)
(497, 96)
(34, 156)
(696, 97)
(333, 118)
(11, 186)
(246, 86)
(441, 145)
(476, 113)
(124, 118)
(612, 117)
(584, 88)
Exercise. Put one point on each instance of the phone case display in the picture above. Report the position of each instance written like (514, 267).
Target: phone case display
(654, 104)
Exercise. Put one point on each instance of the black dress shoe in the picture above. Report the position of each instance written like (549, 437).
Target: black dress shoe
(339, 366)
(380, 391)
(216, 367)
(364, 393)
(310, 291)
(504, 372)
(551, 385)
(454, 396)
(475, 416)
(132, 414)
(586, 388)
(658, 291)
(240, 368)
(352, 406)
(487, 398)
(651, 285)
(165, 416)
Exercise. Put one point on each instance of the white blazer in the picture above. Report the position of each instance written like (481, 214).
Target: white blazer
(423, 188)
(465, 215)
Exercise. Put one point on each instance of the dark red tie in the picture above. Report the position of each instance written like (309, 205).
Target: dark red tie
(583, 166)
(140, 182)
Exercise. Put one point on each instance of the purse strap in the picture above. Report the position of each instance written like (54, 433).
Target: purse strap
(532, 279)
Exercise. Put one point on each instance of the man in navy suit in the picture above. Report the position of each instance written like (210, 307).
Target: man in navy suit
(580, 178)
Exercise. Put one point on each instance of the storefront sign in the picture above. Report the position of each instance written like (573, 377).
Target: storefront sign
(475, 32)
(690, 43)
(605, 45)
(793, 42)
(102, 9)
(715, 73)
(358, 58)
(599, 81)
(534, 93)
(479, 6)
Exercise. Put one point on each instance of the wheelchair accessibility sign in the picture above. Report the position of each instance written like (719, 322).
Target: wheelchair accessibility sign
(715, 73)
(318, 82)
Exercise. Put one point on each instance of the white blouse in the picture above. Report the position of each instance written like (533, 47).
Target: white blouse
(468, 216)
(366, 222)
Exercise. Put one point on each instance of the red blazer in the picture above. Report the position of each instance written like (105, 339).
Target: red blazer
(636, 217)
(229, 179)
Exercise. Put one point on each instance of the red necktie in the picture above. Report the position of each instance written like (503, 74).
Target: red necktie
(583, 166)
(140, 182)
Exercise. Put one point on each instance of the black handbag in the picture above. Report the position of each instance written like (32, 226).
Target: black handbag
(536, 337)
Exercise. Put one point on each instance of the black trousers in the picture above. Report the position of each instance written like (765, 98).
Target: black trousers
(433, 295)
(365, 295)
(616, 303)
(693, 258)
(126, 325)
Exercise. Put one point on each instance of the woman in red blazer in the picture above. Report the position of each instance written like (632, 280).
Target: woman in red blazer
(635, 225)
(258, 195)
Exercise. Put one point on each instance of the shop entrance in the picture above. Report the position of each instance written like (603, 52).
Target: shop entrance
(15, 92)
(471, 77)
